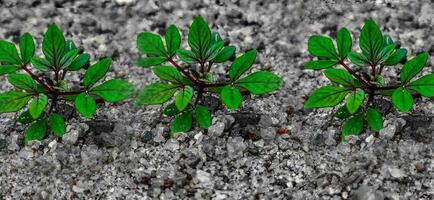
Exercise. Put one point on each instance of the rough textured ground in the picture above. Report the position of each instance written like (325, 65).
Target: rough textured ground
(125, 151)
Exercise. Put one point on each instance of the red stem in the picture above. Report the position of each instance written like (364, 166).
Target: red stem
(179, 68)
(366, 84)
(202, 67)
(36, 78)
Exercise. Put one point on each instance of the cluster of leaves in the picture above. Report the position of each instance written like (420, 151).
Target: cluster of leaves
(360, 85)
(43, 82)
(185, 83)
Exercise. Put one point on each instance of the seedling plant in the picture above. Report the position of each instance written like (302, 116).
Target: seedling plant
(187, 83)
(40, 84)
(359, 84)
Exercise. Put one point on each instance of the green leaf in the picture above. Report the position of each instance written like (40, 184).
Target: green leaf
(374, 118)
(7, 69)
(413, 67)
(320, 64)
(168, 73)
(79, 62)
(156, 93)
(241, 64)
(396, 57)
(355, 100)
(260, 82)
(22, 81)
(13, 101)
(344, 42)
(69, 45)
(215, 37)
(186, 56)
(385, 53)
(402, 100)
(25, 118)
(231, 97)
(68, 58)
(8, 53)
(173, 39)
(27, 47)
(113, 90)
(225, 54)
(183, 97)
(424, 85)
(57, 124)
(40, 63)
(85, 105)
(96, 72)
(321, 46)
(203, 116)
(387, 40)
(171, 110)
(371, 39)
(150, 61)
(53, 45)
(342, 112)
(36, 131)
(214, 50)
(327, 96)
(150, 43)
(339, 76)
(38, 105)
(358, 59)
(199, 37)
(353, 126)
(182, 123)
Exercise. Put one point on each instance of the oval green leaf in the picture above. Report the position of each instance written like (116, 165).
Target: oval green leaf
(183, 98)
(156, 93)
(374, 118)
(327, 96)
(231, 97)
(402, 100)
(113, 90)
(85, 105)
(36, 131)
(241, 64)
(203, 116)
(96, 72)
(182, 123)
(57, 124)
(260, 82)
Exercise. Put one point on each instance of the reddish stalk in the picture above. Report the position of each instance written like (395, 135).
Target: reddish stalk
(36, 78)
(366, 84)
(179, 68)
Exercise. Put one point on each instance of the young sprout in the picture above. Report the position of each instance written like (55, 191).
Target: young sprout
(40, 84)
(187, 83)
(360, 83)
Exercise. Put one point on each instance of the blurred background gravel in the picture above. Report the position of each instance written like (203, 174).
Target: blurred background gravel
(272, 148)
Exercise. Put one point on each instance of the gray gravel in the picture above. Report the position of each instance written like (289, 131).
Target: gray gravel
(125, 151)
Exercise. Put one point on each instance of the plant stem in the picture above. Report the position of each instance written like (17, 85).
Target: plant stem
(366, 84)
(179, 68)
(202, 68)
(24, 67)
(199, 96)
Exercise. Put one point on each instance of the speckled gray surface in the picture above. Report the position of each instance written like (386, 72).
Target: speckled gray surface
(125, 153)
